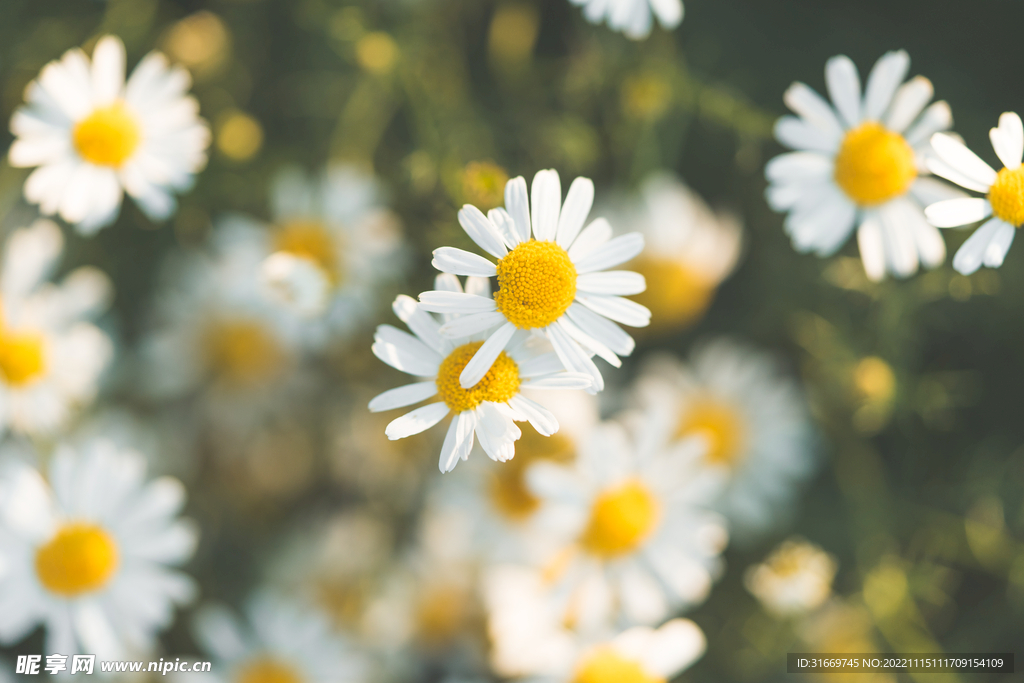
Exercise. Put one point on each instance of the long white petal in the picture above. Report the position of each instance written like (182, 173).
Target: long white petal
(546, 202)
(601, 329)
(574, 214)
(999, 245)
(972, 253)
(612, 253)
(1008, 140)
(912, 97)
(886, 76)
(799, 166)
(808, 104)
(484, 358)
(460, 262)
(517, 203)
(482, 231)
(844, 88)
(618, 309)
(560, 380)
(937, 117)
(572, 355)
(506, 226)
(416, 421)
(539, 416)
(455, 302)
(615, 282)
(963, 160)
(872, 249)
(588, 342)
(400, 397)
(422, 324)
(953, 213)
(592, 237)
(801, 135)
(468, 325)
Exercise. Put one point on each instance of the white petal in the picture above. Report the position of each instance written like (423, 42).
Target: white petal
(886, 76)
(669, 12)
(799, 166)
(540, 417)
(953, 213)
(588, 342)
(962, 160)
(910, 100)
(674, 647)
(517, 204)
(455, 302)
(572, 355)
(936, 117)
(403, 396)
(944, 170)
(618, 309)
(462, 441)
(927, 191)
(823, 223)
(484, 358)
(446, 282)
(900, 249)
(460, 262)
(799, 134)
(612, 253)
(474, 323)
(999, 245)
(844, 88)
(506, 226)
(482, 231)
(107, 70)
(546, 202)
(480, 286)
(544, 364)
(592, 237)
(814, 110)
(615, 282)
(417, 421)
(560, 380)
(601, 329)
(973, 252)
(419, 321)
(872, 249)
(575, 211)
(1008, 140)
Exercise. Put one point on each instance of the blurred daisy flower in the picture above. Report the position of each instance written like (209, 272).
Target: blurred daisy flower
(51, 357)
(281, 640)
(795, 579)
(689, 251)
(88, 551)
(94, 137)
(632, 17)
(492, 404)
(862, 161)
(630, 538)
(1004, 194)
(752, 417)
(550, 282)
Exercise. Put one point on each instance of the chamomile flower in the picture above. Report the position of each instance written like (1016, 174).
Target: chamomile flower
(491, 405)
(549, 278)
(631, 540)
(280, 640)
(88, 551)
(795, 579)
(1004, 194)
(633, 17)
(861, 162)
(51, 356)
(94, 137)
(753, 418)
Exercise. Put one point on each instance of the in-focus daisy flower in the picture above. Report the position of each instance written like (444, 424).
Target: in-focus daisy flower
(752, 416)
(689, 251)
(633, 17)
(51, 356)
(281, 642)
(549, 280)
(631, 539)
(796, 578)
(861, 161)
(491, 405)
(95, 137)
(88, 551)
(1004, 194)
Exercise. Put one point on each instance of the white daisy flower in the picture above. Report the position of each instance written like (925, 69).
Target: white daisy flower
(752, 416)
(51, 357)
(94, 137)
(1004, 194)
(492, 404)
(550, 282)
(795, 579)
(631, 541)
(860, 162)
(530, 643)
(88, 551)
(281, 641)
(633, 17)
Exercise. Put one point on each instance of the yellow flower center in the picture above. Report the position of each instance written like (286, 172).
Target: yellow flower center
(874, 164)
(536, 284)
(267, 670)
(499, 384)
(676, 295)
(80, 558)
(242, 352)
(720, 424)
(441, 613)
(875, 379)
(1007, 196)
(108, 136)
(313, 241)
(605, 665)
(509, 493)
(621, 520)
(22, 357)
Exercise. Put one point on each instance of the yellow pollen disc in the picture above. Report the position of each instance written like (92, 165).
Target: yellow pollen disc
(499, 384)
(108, 136)
(676, 295)
(509, 494)
(22, 357)
(874, 165)
(720, 424)
(313, 241)
(267, 670)
(80, 558)
(1007, 196)
(242, 352)
(621, 520)
(605, 665)
(536, 284)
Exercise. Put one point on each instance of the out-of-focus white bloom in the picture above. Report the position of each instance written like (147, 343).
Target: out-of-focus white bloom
(550, 280)
(861, 161)
(492, 405)
(753, 418)
(95, 137)
(633, 17)
(630, 538)
(1004, 194)
(51, 357)
(282, 641)
(796, 578)
(88, 551)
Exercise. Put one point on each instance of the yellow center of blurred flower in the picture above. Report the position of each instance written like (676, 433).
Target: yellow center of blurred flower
(1007, 196)
(621, 520)
(720, 424)
(875, 379)
(377, 52)
(499, 384)
(509, 493)
(676, 295)
(483, 184)
(605, 665)
(874, 164)
(242, 352)
(267, 670)
(313, 241)
(441, 613)
(536, 284)
(22, 357)
(107, 136)
(80, 558)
